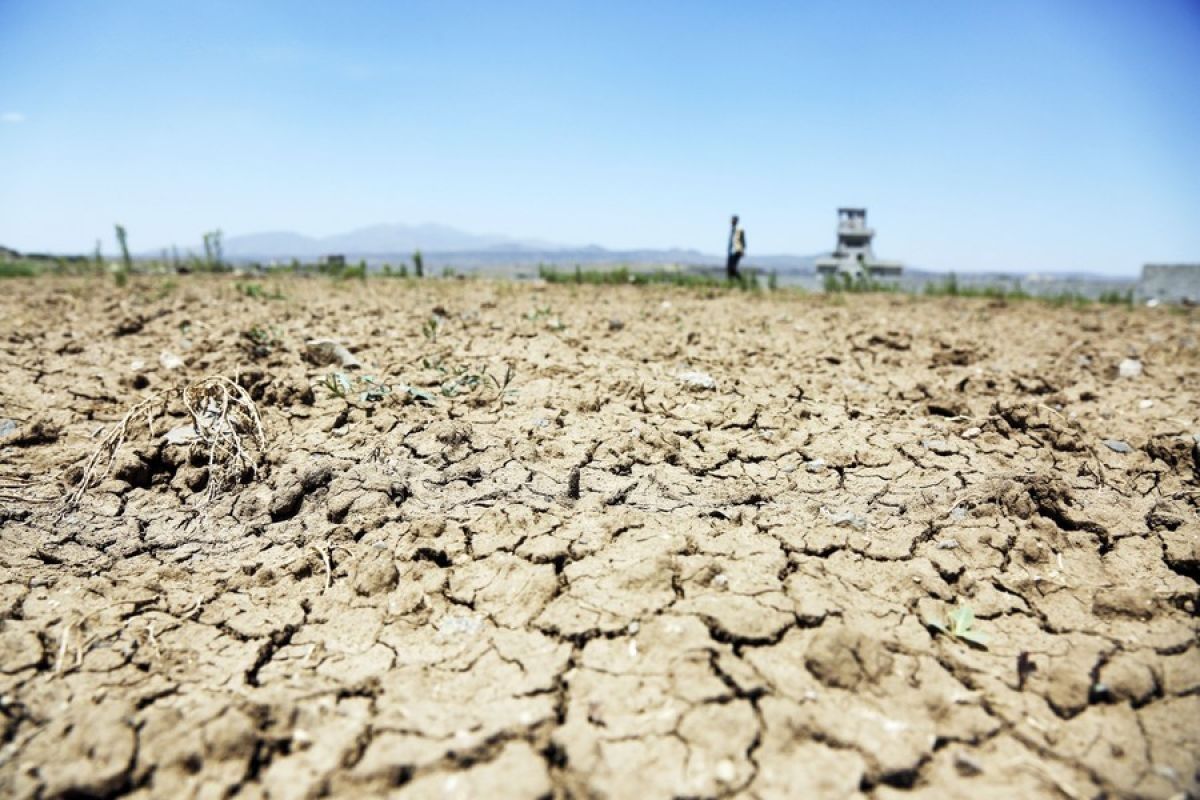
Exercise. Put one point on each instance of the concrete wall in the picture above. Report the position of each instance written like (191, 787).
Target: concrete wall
(1170, 282)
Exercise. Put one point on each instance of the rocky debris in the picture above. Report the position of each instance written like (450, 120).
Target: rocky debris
(7, 426)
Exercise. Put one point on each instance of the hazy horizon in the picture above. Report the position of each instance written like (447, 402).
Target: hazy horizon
(1026, 136)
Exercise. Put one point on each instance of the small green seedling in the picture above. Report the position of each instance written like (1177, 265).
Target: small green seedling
(960, 624)
(502, 383)
(337, 384)
(430, 328)
(260, 342)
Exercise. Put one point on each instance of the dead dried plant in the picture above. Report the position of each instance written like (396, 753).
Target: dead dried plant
(224, 421)
(227, 423)
(106, 452)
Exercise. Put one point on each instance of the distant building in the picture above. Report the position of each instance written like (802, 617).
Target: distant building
(1172, 283)
(853, 255)
(336, 261)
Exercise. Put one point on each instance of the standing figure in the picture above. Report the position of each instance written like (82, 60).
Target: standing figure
(737, 249)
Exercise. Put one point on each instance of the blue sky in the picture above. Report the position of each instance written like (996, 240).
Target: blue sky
(980, 135)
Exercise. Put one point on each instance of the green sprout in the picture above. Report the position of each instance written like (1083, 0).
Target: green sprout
(502, 383)
(337, 384)
(960, 625)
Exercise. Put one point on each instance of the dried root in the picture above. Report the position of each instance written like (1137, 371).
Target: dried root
(225, 423)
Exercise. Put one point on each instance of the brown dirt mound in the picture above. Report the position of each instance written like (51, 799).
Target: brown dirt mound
(609, 576)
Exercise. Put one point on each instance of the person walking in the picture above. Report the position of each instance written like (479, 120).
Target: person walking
(737, 249)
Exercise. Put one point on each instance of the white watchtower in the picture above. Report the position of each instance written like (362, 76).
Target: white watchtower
(853, 255)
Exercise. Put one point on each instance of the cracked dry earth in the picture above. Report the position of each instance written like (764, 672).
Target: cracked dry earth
(407, 600)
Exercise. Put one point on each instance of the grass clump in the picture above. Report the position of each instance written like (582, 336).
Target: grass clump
(257, 292)
(19, 269)
(950, 287)
(624, 276)
(856, 284)
(1115, 297)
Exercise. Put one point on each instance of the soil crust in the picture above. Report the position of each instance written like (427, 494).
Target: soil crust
(695, 544)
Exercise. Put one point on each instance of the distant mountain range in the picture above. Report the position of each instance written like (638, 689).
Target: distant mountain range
(442, 245)
(374, 240)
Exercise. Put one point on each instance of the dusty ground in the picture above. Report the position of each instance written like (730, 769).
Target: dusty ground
(407, 600)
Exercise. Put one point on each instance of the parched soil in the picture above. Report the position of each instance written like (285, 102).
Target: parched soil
(607, 580)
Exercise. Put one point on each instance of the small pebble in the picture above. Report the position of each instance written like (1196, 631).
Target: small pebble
(169, 360)
(1146, 404)
(971, 433)
(1129, 368)
(697, 380)
(1117, 446)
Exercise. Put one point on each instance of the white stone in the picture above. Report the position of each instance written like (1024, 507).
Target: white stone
(1129, 368)
(697, 380)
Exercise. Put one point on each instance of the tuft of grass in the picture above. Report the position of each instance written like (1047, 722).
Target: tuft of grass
(950, 287)
(256, 291)
(624, 276)
(860, 284)
(1114, 297)
(19, 269)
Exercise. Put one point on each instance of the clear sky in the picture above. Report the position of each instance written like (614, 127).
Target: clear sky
(980, 135)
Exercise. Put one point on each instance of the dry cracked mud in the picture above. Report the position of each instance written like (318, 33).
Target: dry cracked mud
(605, 580)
